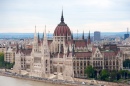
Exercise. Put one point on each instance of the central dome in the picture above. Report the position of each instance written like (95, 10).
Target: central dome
(62, 29)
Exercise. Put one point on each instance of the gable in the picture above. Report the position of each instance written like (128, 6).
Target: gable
(97, 53)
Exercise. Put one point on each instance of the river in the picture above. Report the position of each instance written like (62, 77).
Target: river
(9, 81)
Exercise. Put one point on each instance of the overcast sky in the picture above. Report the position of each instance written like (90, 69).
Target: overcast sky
(95, 15)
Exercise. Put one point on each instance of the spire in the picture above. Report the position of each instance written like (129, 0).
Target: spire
(43, 36)
(72, 35)
(35, 34)
(45, 32)
(83, 35)
(89, 35)
(62, 17)
(38, 38)
(89, 39)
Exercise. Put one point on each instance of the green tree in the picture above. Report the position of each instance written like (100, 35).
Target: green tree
(128, 74)
(126, 63)
(113, 75)
(1, 60)
(124, 74)
(4, 64)
(104, 75)
(90, 71)
(1, 57)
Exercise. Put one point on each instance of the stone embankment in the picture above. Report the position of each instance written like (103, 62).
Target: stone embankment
(76, 82)
(45, 80)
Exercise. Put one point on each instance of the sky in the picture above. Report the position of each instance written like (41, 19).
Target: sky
(21, 16)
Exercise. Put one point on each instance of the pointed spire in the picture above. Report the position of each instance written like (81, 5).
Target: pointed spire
(43, 36)
(89, 35)
(45, 32)
(35, 34)
(83, 35)
(72, 35)
(38, 38)
(89, 39)
(62, 17)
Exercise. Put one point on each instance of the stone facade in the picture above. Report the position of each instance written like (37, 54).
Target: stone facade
(9, 55)
(64, 57)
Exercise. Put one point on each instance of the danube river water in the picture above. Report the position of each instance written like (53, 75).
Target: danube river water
(9, 81)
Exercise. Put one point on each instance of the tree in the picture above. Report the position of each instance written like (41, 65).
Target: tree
(128, 74)
(126, 63)
(113, 75)
(1, 60)
(124, 73)
(104, 75)
(1, 57)
(90, 71)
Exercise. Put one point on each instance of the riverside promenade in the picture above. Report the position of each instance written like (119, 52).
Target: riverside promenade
(45, 80)
(76, 82)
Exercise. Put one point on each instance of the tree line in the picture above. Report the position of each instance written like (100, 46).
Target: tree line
(113, 75)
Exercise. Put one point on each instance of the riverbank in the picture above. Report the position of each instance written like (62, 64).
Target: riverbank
(45, 80)
(76, 82)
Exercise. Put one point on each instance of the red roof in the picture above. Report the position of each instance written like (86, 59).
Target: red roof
(83, 54)
(62, 30)
(80, 43)
(109, 54)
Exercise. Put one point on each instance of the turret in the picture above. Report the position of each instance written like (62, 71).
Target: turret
(89, 39)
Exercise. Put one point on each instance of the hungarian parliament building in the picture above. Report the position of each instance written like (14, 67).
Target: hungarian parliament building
(64, 57)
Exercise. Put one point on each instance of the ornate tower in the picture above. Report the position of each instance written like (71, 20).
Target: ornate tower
(89, 39)
(62, 32)
(35, 42)
(45, 56)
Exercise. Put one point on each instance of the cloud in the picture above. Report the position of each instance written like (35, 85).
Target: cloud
(119, 26)
(103, 15)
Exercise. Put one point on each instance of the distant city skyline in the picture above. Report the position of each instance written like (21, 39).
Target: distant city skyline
(21, 16)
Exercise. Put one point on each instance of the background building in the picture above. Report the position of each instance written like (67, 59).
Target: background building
(9, 55)
(97, 36)
(126, 35)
